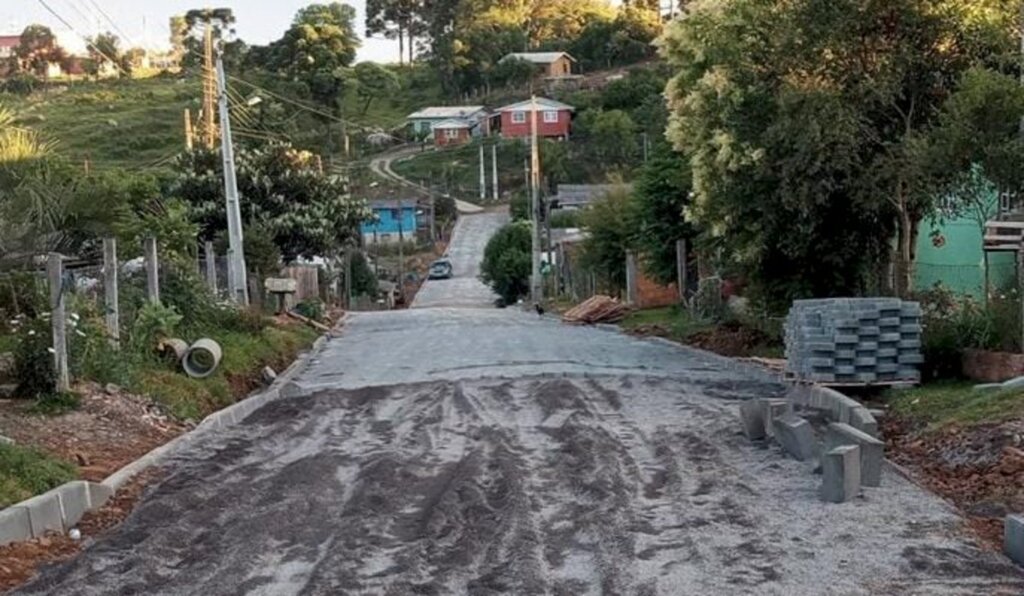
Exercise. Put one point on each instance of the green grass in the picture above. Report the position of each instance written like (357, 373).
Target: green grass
(956, 402)
(25, 472)
(457, 170)
(677, 322)
(244, 355)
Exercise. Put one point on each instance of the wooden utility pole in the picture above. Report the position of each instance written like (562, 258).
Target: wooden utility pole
(58, 320)
(189, 133)
(112, 315)
(536, 287)
(209, 86)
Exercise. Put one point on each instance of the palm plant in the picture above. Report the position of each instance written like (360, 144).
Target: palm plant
(18, 143)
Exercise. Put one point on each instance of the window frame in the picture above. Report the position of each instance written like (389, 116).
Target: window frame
(519, 117)
(551, 117)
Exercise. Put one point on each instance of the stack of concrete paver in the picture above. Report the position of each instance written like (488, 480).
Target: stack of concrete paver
(854, 341)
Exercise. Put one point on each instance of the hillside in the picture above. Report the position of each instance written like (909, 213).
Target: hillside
(138, 123)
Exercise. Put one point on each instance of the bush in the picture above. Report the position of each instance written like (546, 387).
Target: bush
(506, 266)
(520, 207)
(953, 324)
(33, 361)
(311, 309)
(21, 84)
(564, 219)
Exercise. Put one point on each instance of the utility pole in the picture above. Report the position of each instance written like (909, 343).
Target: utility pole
(483, 174)
(401, 253)
(210, 86)
(536, 287)
(189, 134)
(237, 277)
(494, 170)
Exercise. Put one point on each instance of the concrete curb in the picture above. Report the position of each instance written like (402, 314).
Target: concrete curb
(60, 509)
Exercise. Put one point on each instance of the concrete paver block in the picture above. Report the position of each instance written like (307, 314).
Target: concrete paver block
(862, 420)
(74, 501)
(770, 410)
(795, 435)
(44, 513)
(840, 474)
(752, 415)
(14, 525)
(1013, 538)
(839, 434)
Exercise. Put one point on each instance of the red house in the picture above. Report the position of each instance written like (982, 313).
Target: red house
(452, 132)
(554, 118)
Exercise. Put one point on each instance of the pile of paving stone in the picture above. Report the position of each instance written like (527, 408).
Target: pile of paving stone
(846, 448)
(854, 341)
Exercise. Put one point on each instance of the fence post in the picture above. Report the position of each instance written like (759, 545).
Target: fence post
(110, 291)
(681, 272)
(211, 267)
(632, 294)
(58, 320)
(152, 270)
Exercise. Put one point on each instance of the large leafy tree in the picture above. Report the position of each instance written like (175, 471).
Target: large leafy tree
(38, 48)
(801, 118)
(396, 19)
(373, 82)
(316, 49)
(189, 31)
(506, 266)
(282, 192)
(661, 194)
(611, 225)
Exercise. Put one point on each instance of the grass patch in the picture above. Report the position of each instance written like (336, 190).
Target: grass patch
(55, 404)
(244, 355)
(25, 472)
(676, 322)
(956, 402)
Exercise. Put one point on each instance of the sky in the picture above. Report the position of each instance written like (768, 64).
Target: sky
(145, 22)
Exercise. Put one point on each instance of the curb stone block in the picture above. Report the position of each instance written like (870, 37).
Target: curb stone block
(840, 474)
(770, 410)
(74, 501)
(99, 494)
(44, 513)
(795, 435)
(752, 416)
(862, 420)
(14, 525)
(871, 450)
(1013, 538)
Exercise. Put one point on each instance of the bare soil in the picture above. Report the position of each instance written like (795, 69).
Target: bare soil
(20, 561)
(109, 429)
(980, 468)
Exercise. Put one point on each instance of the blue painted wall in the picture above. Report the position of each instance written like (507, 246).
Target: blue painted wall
(389, 220)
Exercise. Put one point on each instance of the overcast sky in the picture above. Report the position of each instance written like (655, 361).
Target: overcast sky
(145, 22)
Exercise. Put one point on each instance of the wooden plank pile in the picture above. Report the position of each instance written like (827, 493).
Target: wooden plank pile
(598, 309)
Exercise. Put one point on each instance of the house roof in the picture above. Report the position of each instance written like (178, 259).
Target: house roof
(435, 112)
(453, 123)
(579, 195)
(10, 41)
(543, 103)
(537, 57)
(393, 204)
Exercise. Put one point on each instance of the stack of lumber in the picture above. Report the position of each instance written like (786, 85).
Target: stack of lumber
(599, 309)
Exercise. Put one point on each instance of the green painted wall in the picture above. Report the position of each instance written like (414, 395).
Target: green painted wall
(959, 263)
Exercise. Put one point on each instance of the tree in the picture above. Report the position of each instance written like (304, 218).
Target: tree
(395, 19)
(514, 72)
(507, 266)
(221, 22)
(37, 49)
(610, 225)
(611, 135)
(373, 81)
(105, 48)
(803, 167)
(307, 213)
(661, 193)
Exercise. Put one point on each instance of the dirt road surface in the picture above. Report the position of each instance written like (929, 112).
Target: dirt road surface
(443, 451)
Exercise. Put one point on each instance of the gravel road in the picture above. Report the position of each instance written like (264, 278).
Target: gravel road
(455, 450)
(465, 251)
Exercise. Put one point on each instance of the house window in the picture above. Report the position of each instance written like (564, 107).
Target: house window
(451, 133)
(519, 117)
(550, 116)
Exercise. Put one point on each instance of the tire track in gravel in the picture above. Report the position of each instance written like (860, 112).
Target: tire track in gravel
(545, 485)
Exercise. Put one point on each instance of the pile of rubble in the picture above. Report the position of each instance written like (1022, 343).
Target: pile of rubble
(848, 449)
(598, 309)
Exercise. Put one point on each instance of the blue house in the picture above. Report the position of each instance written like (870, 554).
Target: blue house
(391, 220)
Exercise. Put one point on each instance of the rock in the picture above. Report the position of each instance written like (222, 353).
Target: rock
(988, 509)
(269, 375)
(112, 389)
(81, 459)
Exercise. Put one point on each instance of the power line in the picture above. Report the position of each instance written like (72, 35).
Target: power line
(84, 38)
(111, 21)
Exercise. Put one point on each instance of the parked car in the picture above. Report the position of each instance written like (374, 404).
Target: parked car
(441, 269)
